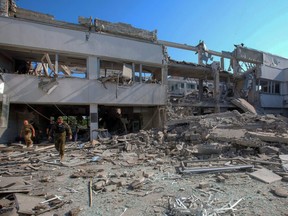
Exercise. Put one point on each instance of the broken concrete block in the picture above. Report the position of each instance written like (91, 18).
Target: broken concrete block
(95, 142)
(208, 149)
(119, 182)
(141, 156)
(268, 150)
(225, 175)
(110, 188)
(99, 185)
(25, 207)
(148, 174)
(266, 176)
(128, 147)
(203, 185)
(171, 137)
(74, 211)
(101, 174)
(220, 178)
(281, 192)
(137, 183)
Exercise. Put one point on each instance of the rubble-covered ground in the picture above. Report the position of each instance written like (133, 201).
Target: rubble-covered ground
(218, 164)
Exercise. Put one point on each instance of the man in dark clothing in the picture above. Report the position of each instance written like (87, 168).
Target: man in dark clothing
(60, 130)
(28, 131)
(75, 133)
(48, 129)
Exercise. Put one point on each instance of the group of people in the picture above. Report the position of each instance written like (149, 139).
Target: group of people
(58, 131)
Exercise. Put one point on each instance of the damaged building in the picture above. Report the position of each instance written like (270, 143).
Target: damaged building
(116, 76)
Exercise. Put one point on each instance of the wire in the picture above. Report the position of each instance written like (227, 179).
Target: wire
(37, 111)
(60, 110)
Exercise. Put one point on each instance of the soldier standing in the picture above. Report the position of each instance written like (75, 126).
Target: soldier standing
(60, 130)
(28, 131)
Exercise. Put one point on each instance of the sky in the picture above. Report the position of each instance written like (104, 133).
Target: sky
(259, 24)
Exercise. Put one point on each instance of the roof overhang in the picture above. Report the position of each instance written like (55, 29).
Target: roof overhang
(191, 70)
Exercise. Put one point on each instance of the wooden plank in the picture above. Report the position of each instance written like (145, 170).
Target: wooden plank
(43, 148)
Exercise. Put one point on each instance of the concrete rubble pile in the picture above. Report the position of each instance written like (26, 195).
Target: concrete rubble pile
(222, 148)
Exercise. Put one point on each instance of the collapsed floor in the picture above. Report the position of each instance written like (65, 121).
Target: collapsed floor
(218, 164)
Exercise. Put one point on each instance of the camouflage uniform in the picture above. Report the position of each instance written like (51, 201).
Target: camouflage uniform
(27, 130)
(60, 131)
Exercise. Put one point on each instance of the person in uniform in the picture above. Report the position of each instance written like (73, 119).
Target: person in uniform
(60, 129)
(28, 131)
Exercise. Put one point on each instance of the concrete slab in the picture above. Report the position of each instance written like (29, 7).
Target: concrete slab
(266, 176)
(25, 207)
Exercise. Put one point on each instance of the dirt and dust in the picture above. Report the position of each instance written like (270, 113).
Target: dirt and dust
(218, 164)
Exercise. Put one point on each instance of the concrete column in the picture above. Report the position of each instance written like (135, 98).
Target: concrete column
(93, 121)
(140, 73)
(222, 63)
(200, 62)
(235, 66)
(133, 72)
(164, 74)
(93, 67)
(56, 63)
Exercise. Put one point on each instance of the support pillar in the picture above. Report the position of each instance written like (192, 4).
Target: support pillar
(133, 72)
(164, 74)
(93, 67)
(56, 63)
(140, 73)
(93, 121)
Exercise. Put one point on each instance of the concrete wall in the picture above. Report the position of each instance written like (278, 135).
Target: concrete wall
(24, 89)
(275, 61)
(22, 34)
(272, 101)
(273, 73)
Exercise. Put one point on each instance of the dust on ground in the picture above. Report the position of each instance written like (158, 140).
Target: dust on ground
(218, 164)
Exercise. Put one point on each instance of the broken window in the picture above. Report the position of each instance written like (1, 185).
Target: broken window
(42, 64)
(127, 72)
(264, 86)
(268, 86)
(276, 88)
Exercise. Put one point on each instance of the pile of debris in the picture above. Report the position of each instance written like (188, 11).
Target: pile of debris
(146, 164)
